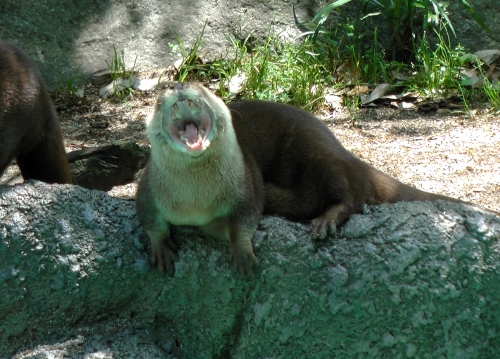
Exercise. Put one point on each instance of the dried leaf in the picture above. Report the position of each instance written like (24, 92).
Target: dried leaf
(490, 72)
(469, 72)
(409, 96)
(146, 84)
(405, 105)
(358, 91)
(349, 72)
(487, 56)
(117, 85)
(100, 77)
(236, 83)
(333, 101)
(389, 97)
(401, 77)
(378, 92)
(495, 75)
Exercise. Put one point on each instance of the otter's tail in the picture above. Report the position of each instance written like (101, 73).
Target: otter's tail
(386, 189)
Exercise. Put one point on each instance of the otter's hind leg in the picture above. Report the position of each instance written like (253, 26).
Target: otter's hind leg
(327, 223)
(286, 202)
(299, 205)
(47, 161)
(7, 150)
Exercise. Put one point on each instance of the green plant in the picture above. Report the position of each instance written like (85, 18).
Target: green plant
(292, 73)
(373, 64)
(122, 78)
(437, 67)
(298, 72)
(492, 91)
(72, 85)
(403, 21)
(272, 70)
(117, 65)
(351, 103)
(190, 58)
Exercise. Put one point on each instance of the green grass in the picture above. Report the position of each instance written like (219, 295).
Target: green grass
(72, 85)
(118, 70)
(437, 67)
(293, 73)
(301, 72)
(331, 58)
(336, 56)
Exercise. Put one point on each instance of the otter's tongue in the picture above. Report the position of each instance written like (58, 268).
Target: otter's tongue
(193, 140)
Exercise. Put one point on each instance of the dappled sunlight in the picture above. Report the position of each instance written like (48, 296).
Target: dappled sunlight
(458, 157)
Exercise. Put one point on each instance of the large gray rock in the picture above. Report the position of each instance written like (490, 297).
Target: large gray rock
(63, 35)
(469, 33)
(410, 280)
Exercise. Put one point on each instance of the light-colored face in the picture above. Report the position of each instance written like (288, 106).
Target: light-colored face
(187, 118)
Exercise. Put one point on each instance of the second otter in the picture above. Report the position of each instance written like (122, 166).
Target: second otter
(220, 167)
(29, 125)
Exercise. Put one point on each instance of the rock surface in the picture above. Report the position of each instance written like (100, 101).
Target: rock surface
(63, 35)
(410, 280)
(105, 167)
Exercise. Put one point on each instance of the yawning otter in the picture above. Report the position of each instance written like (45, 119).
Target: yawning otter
(220, 167)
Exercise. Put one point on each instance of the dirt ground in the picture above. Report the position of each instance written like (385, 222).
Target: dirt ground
(457, 156)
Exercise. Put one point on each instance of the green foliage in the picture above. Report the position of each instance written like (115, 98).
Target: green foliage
(492, 91)
(403, 21)
(300, 72)
(285, 72)
(437, 67)
(72, 85)
(272, 70)
(121, 77)
(117, 66)
(481, 88)
(190, 58)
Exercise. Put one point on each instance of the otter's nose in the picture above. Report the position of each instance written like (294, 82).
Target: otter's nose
(178, 86)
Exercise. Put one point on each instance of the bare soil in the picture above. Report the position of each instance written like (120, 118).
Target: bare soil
(458, 156)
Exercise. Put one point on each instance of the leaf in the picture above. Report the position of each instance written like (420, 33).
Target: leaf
(378, 92)
(236, 83)
(487, 56)
(467, 58)
(470, 10)
(371, 14)
(349, 72)
(439, 9)
(333, 101)
(471, 81)
(324, 12)
(405, 105)
(401, 77)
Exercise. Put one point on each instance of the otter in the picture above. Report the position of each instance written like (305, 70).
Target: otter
(221, 167)
(29, 125)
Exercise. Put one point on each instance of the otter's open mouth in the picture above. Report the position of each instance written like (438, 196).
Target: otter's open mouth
(189, 124)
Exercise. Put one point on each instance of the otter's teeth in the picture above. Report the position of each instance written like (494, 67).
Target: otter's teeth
(182, 136)
(201, 131)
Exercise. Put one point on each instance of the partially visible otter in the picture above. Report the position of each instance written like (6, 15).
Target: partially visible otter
(220, 167)
(29, 125)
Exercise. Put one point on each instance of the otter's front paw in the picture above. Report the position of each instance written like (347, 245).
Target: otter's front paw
(243, 260)
(164, 254)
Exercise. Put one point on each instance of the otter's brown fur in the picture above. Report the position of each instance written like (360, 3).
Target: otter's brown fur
(264, 157)
(29, 125)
